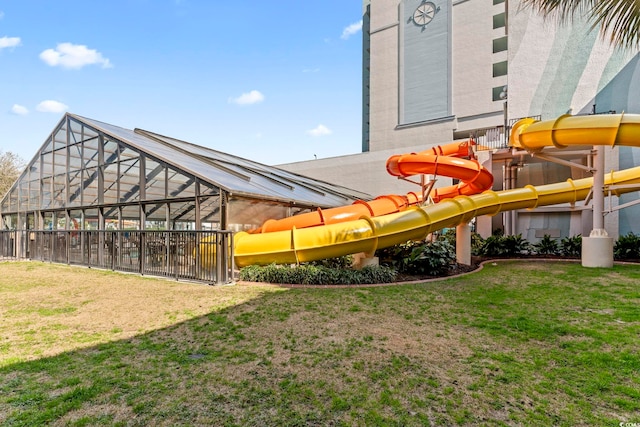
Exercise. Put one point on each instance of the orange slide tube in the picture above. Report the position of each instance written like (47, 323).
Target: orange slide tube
(444, 160)
(441, 160)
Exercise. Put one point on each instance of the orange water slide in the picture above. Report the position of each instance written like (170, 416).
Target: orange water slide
(447, 160)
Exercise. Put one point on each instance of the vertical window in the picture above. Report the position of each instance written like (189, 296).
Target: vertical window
(500, 69)
(500, 45)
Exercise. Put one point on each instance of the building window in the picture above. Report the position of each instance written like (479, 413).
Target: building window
(497, 1)
(499, 93)
(499, 20)
(500, 69)
(500, 45)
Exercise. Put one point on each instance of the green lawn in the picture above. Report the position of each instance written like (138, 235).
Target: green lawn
(518, 343)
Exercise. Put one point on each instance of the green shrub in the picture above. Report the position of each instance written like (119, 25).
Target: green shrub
(338, 262)
(499, 245)
(571, 246)
(546, 246)
(420, 258)
(627, 247)
(309, 274)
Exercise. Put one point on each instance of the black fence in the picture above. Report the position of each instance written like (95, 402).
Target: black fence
(203, 256)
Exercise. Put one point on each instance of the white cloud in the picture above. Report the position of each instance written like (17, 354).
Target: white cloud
(9, 42)
(68, 55)
(351, 30)
(19, 110)
(253, 97)
(319, 130)
(50, 106)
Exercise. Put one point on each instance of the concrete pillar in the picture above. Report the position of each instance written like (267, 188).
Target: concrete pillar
(463, 244)
(597, 249)
(361, 260)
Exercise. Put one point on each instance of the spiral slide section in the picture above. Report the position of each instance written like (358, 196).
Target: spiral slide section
(368, 233)
(444, 160)
(447, 160)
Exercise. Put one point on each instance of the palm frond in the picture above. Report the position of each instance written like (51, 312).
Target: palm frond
(563, 10)
(617, 20)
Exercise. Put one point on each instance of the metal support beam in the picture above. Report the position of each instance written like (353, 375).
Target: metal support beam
(563, 162)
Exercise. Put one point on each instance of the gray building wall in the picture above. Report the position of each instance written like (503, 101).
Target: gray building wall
(416, 98)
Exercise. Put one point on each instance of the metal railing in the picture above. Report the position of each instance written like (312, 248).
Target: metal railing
(203, 256)
(496, 138)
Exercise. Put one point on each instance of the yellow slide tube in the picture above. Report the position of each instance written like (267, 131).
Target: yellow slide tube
(370, 233)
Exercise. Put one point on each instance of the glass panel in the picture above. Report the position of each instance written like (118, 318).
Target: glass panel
(155, 180)
(90, 187)
(31, 221)
(5, 204)
(500, 45)
(183, 212)
(131, 218)
(130, 180)
(75, 157)
(34, 195)
(110, 171)
(156, 217)
(498, 92)
(59, 162)
(499, 20)
(13, 200)
(48, 220)
(500, 69)
(10, 221)
(59, 185)
(128, 154)
(111, 218)
(34, 169)
(110, 151)
(48, 146)
(59, 178)
(210, 213)
(47, 199)
(91, 219)
(23, 195)
(90, 154)
(248, 214)
(75, 188)
(206, 188)
(179, 185)
(47, 164)
(60, 138)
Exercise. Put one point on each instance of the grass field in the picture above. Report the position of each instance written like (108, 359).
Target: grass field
(518, 343)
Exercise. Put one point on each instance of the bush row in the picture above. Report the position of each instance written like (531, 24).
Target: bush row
(627, 247)
(309, 274)
(426, 258)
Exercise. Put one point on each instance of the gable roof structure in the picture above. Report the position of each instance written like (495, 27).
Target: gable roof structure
(236, 175)
(89, 151)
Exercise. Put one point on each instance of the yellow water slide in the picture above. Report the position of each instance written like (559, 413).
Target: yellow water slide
(370, 233)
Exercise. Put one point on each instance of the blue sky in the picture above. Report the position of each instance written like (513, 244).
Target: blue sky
(273, 81)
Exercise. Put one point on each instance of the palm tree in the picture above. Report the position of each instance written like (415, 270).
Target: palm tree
(618, 20)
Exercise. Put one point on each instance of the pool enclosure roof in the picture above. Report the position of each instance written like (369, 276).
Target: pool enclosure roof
(234, 175)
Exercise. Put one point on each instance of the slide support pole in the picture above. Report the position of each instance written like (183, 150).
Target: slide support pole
(463, 244)
(597, 249)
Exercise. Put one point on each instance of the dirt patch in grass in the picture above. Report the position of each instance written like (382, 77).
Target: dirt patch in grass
(47, 309)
